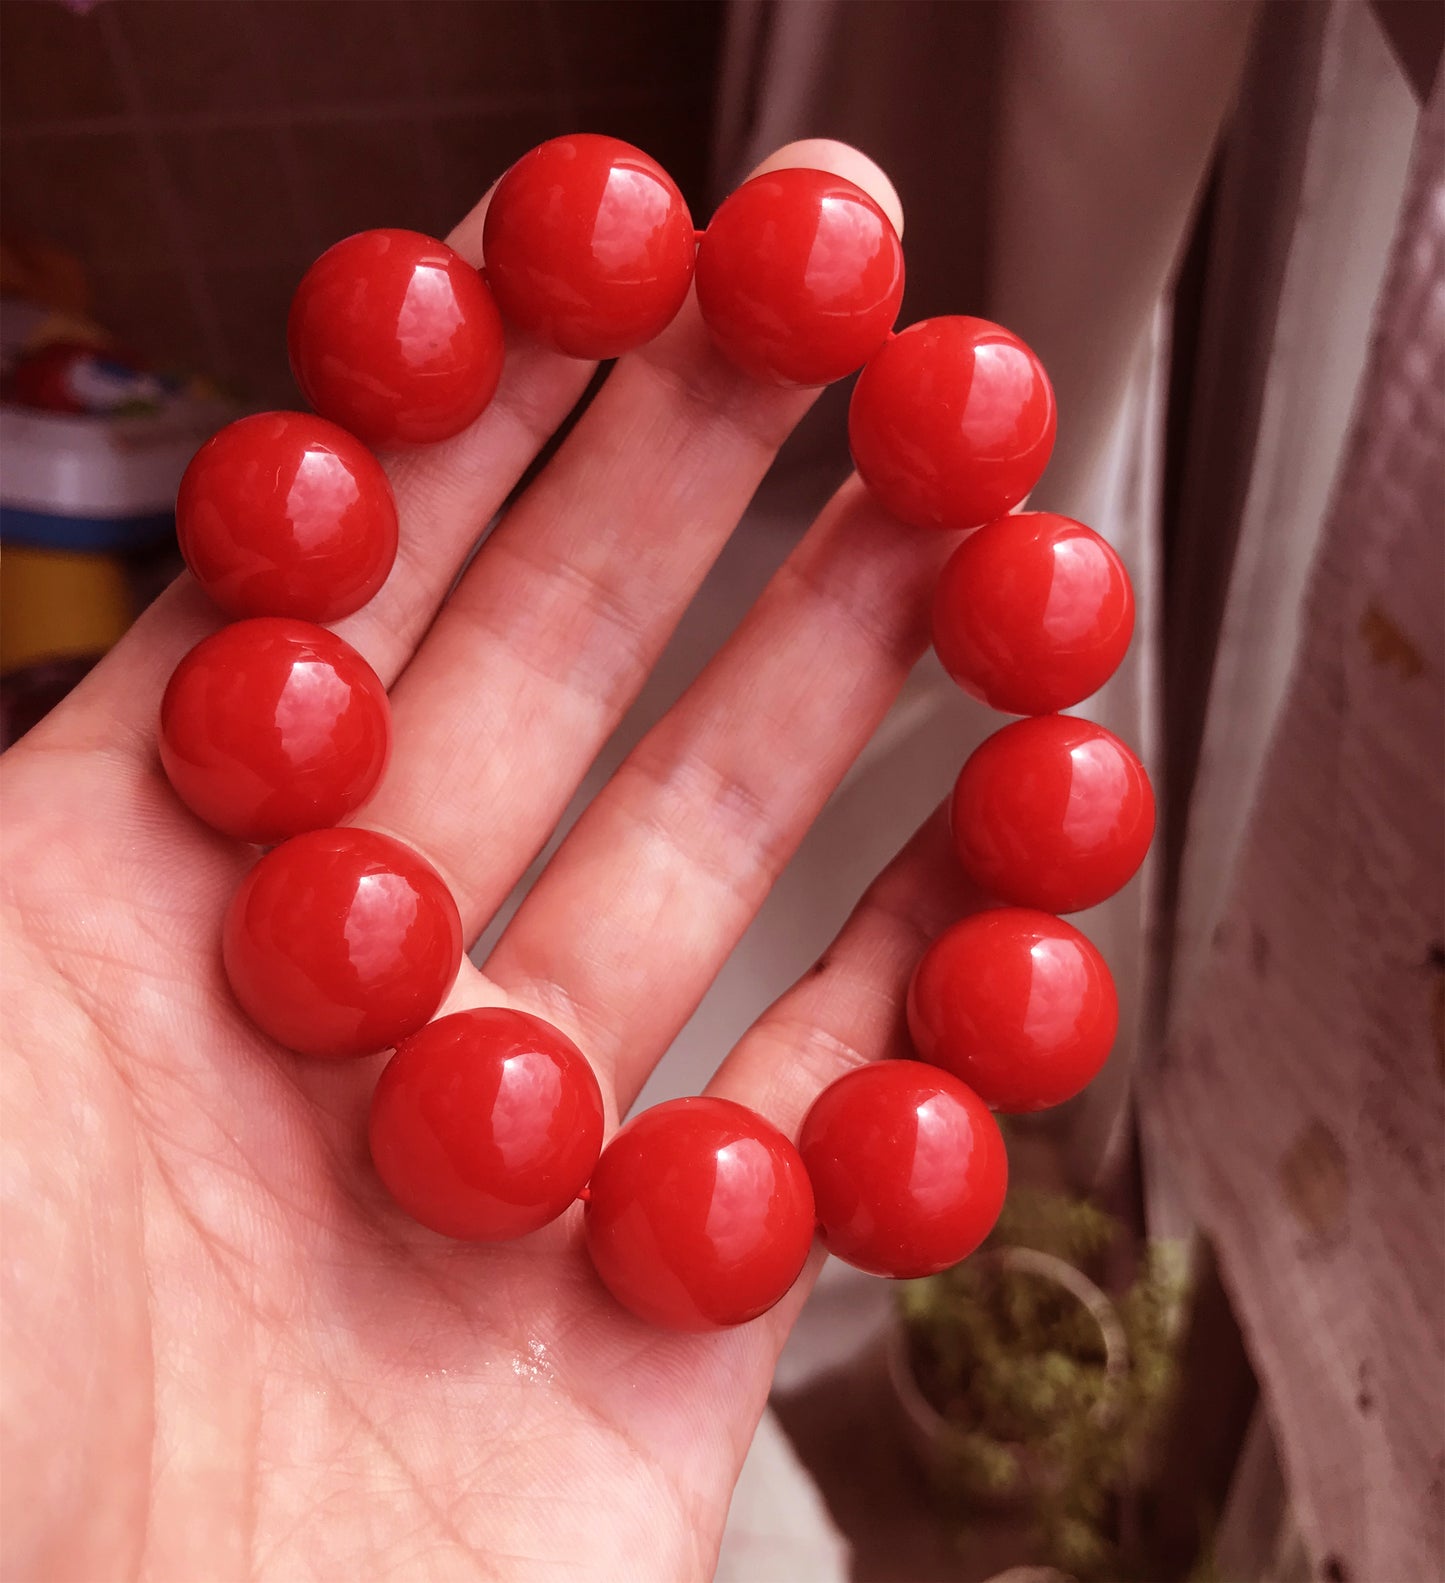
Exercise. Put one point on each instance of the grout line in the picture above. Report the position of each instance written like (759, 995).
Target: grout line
(429, 156)
(309, 234)
(564, 104)
(173, 211)
(290, 115)
(118, 266)
(298, 197)
(491, 107)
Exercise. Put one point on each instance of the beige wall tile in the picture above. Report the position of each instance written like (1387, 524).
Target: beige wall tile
(473, 150)
(357, 174)
(466, 51)
(233, 192)
(251, 304)
(90, 192)
(337, 52)
(150, 310)
(54, 65)
(194, 55)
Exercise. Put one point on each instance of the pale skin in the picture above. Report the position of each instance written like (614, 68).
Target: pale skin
(223, 1353)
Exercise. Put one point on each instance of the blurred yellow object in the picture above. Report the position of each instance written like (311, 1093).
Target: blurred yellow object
(55, 604)
(72, 328)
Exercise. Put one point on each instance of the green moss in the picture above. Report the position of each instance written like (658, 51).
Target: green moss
(1018, 1367)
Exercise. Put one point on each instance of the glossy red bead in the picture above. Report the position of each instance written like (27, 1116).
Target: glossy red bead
(486, 1124)
(1016, 1003)
(271, 727)
(1032, 613)
(908, 1168)
(952, 423)
(1054, 813)
(285, 514)
(589, 246)
(700, 1215)
(341, 942)
(799, 277)
(395, 337)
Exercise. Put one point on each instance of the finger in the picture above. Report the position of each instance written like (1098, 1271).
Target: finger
(849, 1009)
(557, 623)
(824, 153)
(446, 494)
(651, 890)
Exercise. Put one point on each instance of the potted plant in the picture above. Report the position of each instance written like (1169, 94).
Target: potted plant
(1024, 1385)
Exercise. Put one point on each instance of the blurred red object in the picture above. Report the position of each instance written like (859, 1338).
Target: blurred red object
(74, 377)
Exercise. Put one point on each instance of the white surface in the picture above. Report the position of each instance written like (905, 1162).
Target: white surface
(779, 1530)
(66, 465)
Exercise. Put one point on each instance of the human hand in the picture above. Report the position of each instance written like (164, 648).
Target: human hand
(226, 1354)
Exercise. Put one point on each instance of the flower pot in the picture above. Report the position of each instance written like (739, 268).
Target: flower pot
(936, 1442)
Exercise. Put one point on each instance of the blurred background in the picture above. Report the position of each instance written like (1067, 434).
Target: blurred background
(1220, 224)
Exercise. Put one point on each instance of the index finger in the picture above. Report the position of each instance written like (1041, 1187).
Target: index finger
(446, 494)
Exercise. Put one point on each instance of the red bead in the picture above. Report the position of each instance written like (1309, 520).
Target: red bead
(908, 1168)
(395, 337)
(799, 277)
(589, 246)
(1032, 613)
(271, 727)
(952, 423)
(700, 1215)
(1054, 813)
(341, 942)
(284, 514)
(486, 1124)
(1016, 1003)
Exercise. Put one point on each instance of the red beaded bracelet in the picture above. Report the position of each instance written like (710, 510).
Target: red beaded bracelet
(487, 1124)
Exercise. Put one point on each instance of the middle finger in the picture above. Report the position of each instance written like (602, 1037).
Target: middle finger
(558, 622)
(654, 885)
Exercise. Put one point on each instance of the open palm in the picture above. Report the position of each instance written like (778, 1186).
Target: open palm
(225, 1353)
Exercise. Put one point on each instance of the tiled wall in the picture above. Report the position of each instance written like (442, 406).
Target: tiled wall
(197, 154)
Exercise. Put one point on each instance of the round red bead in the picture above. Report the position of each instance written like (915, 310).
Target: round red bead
(908, 1168)
(1032, 613)
(799, 277)
(1054, 813)
(952, 423)
(341, 942)
(395, 337)
(1016, 1003)
(700, 1215)
(284, 514)
(486, 1124)
(271, 727)
(589, 246)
